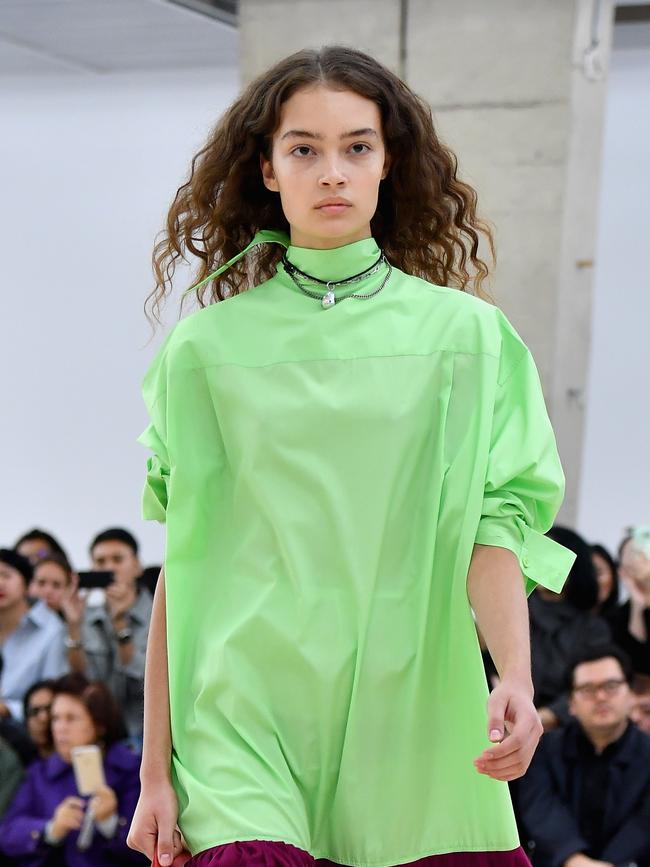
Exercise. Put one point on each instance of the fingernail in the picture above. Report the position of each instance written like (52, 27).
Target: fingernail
(165, 860)
(495, 735)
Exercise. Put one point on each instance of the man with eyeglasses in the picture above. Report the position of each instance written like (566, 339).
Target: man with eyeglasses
(585, 801)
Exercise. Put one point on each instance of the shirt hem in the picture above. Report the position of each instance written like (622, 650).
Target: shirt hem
(337, 858)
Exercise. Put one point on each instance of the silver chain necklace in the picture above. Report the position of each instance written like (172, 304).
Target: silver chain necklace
(329, 299)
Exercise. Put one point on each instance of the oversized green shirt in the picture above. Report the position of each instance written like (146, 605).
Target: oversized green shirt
(324, 475)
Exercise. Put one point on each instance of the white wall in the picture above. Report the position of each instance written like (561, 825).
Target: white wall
(615, 490)
(88, 167)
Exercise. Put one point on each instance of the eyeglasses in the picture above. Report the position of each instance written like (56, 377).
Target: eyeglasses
(38, 708)
(590, 690)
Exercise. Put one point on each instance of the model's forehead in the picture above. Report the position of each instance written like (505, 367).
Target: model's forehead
(326, 111)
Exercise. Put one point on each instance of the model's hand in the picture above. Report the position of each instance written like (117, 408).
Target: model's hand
(514, 725)
(154, 823)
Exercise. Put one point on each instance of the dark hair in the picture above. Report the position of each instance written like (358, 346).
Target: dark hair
(426, 220)
(627, 538)
(115, 534)
(59, 561)
(100, 703)
(594, 654)
(18, 562)
(581, 588)
(54, 546)
(611, 601)
(40, 684)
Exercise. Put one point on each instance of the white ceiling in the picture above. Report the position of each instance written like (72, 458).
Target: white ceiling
(97, 37)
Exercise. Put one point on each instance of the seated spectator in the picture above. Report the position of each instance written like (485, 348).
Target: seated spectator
(585, 799)
(630, 621)
(11, 775)
(31, 638)
(608, 581)
(42, 824)
(37, 544)
(562, 625)
(37, 706)
(107, 642)
(52, 576)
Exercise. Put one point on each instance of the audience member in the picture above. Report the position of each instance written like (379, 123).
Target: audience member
(52, 576)
(37, 544)
(562, 625)
(37, 706)
(108, 641)
(585, 799)
(31, 639)
(608, 581)
(631, 620)
(47, 812)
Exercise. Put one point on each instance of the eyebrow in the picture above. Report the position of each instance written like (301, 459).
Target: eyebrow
(303, 133)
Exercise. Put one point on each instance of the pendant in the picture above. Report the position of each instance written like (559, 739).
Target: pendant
(328, 299)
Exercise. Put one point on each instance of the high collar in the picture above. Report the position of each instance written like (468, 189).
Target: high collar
(337, 263)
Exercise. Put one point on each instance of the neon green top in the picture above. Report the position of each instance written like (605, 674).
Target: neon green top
(324, 475)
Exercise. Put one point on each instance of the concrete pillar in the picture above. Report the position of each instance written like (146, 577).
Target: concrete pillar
(517, 89)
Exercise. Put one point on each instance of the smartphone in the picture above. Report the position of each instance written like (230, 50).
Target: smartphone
(91, 580)
(88, 768)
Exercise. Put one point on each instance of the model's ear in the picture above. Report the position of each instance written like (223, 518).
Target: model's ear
(268, 175)
(387, 165)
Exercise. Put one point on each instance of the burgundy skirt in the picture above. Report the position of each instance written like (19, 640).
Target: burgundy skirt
(264, 853)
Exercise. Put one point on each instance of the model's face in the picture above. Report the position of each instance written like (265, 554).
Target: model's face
(49, 583)
(329, 144)
(72, 725)
(39, 708)
(601, 699)
(12, 587)
(604, 576)
(117, 557)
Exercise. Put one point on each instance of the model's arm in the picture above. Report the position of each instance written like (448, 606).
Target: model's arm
(495, 587)
(154, 820)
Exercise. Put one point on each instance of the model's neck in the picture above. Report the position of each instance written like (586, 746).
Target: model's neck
(314, 242)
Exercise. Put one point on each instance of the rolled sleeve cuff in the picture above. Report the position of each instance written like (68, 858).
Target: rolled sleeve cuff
(542, 560)
(154, 494)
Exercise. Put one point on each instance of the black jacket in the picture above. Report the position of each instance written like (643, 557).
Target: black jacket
(549, 800)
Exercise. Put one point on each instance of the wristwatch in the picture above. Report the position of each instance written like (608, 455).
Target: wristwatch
(72, 643)
(124, 636)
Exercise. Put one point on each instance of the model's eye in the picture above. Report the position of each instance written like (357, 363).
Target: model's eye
(301, 148)
(361, 145)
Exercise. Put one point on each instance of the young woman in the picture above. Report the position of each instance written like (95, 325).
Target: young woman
(349, 456)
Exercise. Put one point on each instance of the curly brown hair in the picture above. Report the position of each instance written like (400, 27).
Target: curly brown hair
(426, 220)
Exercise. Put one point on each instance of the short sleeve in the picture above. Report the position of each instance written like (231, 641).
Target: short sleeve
(524, 484)
(154, 493)
(156, 486)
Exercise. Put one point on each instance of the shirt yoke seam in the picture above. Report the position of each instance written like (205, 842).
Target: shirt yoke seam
(312, 360)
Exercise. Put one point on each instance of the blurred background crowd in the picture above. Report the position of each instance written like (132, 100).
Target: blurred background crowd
(73, 648)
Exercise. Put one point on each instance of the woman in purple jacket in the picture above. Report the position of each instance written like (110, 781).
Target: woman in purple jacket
(41, 827)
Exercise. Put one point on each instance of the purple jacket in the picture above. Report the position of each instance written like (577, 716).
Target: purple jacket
(46, 784)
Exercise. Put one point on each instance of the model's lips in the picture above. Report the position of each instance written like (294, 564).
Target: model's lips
(333, 205)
